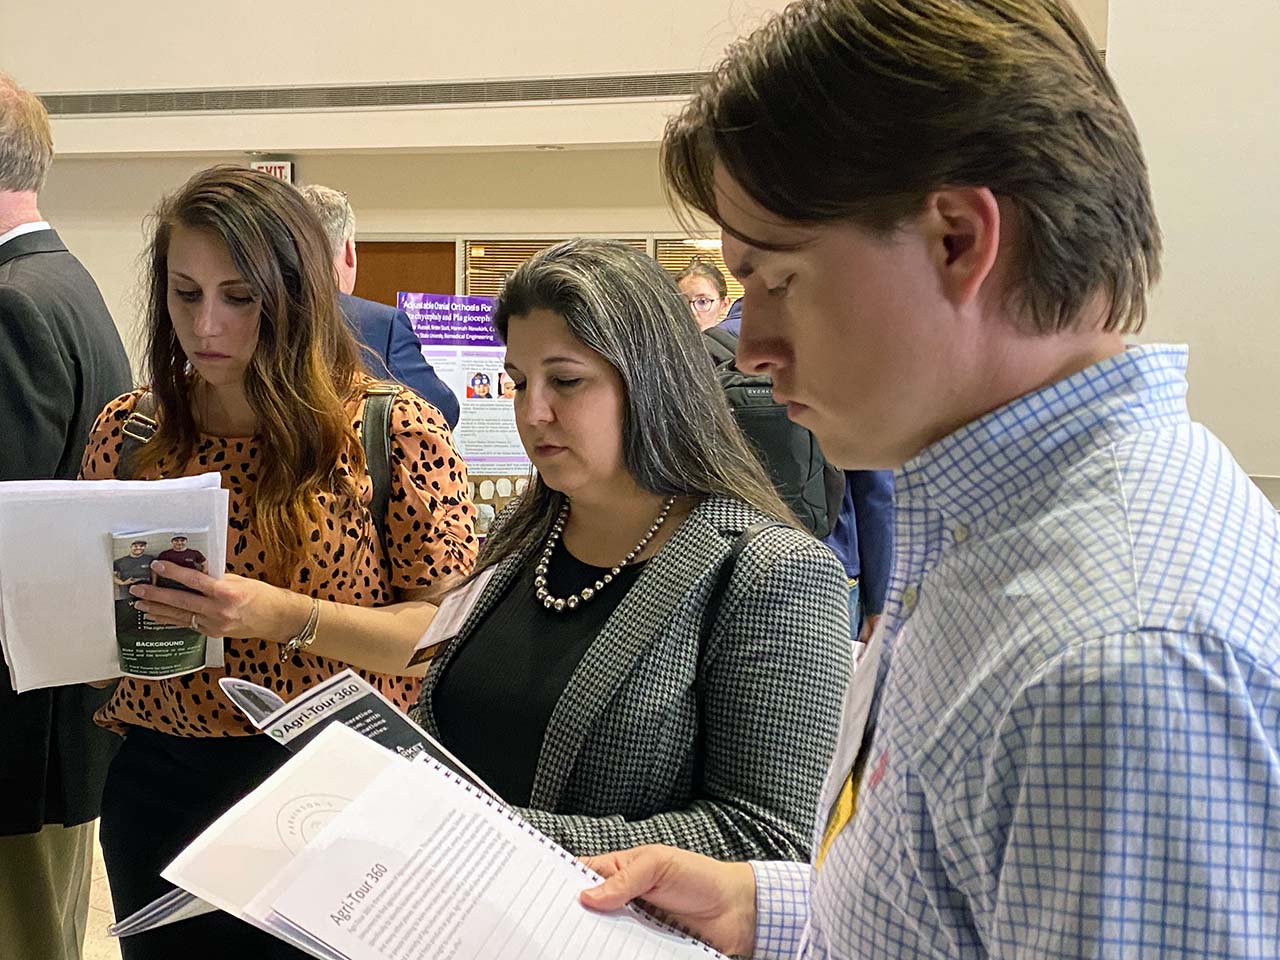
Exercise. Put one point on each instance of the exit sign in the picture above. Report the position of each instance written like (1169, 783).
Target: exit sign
(280, 169)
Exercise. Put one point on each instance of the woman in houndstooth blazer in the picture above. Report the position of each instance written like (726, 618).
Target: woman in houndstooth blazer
(633, 668)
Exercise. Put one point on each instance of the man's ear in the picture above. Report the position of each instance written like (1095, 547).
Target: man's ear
(963, 227)
(349, 253)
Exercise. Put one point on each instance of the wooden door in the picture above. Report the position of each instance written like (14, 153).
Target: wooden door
(385, 267)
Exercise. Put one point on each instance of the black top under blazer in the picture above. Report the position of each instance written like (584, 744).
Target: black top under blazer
(721, 751)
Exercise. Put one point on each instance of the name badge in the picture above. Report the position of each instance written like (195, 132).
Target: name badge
(839, 797)
(450, 616)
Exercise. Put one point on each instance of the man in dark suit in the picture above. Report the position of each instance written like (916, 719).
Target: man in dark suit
(382, 328)
(61, 361)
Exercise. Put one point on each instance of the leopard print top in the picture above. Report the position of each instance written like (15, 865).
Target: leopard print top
(430, 535)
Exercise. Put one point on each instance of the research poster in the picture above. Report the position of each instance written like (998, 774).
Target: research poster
(458, 341)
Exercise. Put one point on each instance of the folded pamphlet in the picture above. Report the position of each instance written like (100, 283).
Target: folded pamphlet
(148, 648)
(345, 698)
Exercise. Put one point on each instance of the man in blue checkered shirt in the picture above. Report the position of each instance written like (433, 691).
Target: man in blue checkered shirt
(1064, 738)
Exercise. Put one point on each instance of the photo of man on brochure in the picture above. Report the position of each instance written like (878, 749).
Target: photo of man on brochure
(148, 648)
(133, 567)
(183, 555)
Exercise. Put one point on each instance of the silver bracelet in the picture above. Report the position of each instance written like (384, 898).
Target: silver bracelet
(306, 636)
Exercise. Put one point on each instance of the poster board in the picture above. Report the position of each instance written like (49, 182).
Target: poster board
(457, 338)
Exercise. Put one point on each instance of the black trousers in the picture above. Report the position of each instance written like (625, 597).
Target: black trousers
(161, 793)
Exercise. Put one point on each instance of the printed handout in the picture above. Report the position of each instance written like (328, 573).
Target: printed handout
(345, 698)
(147, 647)
(351, 850)
(59, 590)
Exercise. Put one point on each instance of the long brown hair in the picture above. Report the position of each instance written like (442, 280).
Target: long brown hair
(306, 365)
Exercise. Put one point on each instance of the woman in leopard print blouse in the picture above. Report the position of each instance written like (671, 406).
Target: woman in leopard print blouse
(255, 374)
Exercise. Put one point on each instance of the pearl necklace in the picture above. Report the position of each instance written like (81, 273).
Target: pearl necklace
(586, 594)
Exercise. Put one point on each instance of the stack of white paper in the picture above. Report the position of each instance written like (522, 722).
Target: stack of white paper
(351, 851)
(57, 621)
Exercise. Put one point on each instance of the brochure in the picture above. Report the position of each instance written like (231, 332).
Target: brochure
(147, 647)
(346, 699)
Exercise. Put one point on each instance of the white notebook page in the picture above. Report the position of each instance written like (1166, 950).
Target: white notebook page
(421, 864)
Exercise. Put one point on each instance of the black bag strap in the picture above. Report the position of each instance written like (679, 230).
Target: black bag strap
(724, 576)
(722, 345)
(138, 429)
(375, 437)
(833, 483)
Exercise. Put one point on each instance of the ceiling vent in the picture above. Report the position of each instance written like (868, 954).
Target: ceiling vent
(400, 95)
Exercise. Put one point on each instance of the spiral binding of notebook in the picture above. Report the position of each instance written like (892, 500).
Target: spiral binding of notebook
(569, 858)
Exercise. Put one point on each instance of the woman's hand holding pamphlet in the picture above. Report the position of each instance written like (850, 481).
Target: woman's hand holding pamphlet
(70, 553)
(149, 648)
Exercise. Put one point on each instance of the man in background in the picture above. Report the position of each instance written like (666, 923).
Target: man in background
(382, 328)
(126, 571)
(61, 362)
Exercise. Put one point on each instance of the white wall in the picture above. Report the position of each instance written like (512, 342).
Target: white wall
(98, 205)
(580, 124)
(147, 45)
(1202, 81)
(1094, 15)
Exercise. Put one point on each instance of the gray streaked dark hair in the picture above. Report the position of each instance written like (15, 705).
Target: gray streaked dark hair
(678, 434)
(334, 212)
(26, 139)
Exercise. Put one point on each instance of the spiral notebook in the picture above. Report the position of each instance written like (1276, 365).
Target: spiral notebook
(351, 852)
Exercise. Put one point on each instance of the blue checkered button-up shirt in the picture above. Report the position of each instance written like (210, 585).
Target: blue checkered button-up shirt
(1078, 742)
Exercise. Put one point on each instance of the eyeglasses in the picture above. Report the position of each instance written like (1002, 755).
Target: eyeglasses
(702, 304)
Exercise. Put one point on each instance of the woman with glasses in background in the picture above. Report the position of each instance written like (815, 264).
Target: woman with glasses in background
(705, 291)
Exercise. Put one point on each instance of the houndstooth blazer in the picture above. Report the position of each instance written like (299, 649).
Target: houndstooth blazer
(721, 751)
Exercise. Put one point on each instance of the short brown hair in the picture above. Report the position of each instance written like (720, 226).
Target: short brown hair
(699, 267)
(858, 109)
(26, 141)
